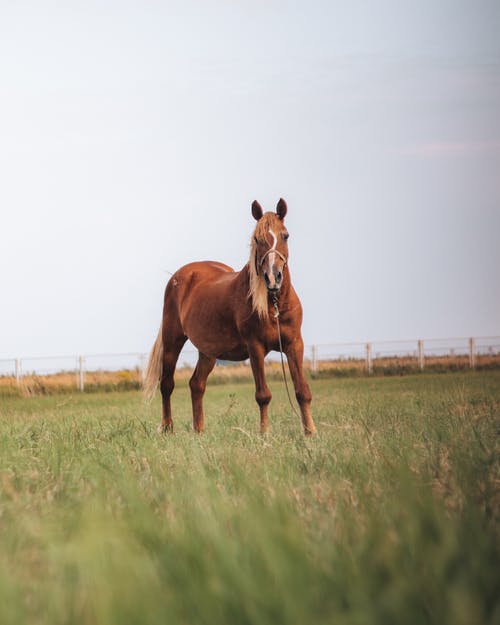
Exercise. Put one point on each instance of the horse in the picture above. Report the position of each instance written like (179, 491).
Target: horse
(232, 315)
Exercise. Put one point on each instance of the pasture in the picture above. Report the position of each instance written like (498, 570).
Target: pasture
(390, 515)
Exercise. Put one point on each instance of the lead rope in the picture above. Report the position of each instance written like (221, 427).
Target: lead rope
(277, 317)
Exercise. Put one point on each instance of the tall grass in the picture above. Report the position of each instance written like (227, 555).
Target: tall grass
(389, 515)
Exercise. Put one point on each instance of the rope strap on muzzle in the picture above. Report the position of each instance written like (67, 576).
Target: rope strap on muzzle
(271, 251)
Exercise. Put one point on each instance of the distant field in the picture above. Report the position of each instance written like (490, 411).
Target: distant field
(131, 379)
(389, 516)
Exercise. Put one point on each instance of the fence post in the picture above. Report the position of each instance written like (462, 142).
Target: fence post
(369, 367)
(421, 355)
(314, 359)
(472, 353)
(18, 370)
(81, 373)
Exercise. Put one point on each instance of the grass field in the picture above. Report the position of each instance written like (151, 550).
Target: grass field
(389, 516)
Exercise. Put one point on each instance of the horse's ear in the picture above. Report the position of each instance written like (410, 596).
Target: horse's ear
(281, 208)
(257, 211)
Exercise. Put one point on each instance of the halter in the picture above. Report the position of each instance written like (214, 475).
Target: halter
(266, 254)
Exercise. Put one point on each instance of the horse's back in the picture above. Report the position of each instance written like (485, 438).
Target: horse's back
(194, 274)
(206, 268)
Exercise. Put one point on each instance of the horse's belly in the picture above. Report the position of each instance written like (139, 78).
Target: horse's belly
(214, 336)
(234, 355)
(207, 317)
(218, 345)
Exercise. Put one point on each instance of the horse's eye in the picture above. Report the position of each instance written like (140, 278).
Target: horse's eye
(285, 236)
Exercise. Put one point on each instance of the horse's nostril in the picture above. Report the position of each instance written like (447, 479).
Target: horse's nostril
(278, 276)
(266, 278)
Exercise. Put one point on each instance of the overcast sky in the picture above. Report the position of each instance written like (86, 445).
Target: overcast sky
(135, 135)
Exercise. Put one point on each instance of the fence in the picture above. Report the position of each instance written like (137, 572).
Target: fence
(419, 353)
(366, 357)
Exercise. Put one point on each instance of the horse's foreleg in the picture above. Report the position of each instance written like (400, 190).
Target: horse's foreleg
(262, 393)
(295, 355)
(197, 384)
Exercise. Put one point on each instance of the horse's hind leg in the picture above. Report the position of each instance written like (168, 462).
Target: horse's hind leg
(171, 351)
(197, 384)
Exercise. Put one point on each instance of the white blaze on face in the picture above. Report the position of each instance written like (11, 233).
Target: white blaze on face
(272, 256)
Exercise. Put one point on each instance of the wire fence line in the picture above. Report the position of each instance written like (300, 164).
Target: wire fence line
(467, 350)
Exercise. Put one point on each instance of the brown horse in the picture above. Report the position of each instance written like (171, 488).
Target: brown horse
(231, 315)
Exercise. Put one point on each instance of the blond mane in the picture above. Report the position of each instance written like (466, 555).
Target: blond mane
(258, 290)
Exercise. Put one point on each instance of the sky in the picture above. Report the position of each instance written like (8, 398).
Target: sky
(134, 137)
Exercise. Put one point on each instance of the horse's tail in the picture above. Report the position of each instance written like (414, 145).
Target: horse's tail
(154, 368)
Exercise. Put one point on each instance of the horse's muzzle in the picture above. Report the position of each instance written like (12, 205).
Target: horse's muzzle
(274, 280)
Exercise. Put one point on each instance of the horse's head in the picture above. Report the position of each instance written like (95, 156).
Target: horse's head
(269, 245)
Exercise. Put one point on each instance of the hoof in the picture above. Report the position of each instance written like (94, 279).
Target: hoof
(163, 429)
